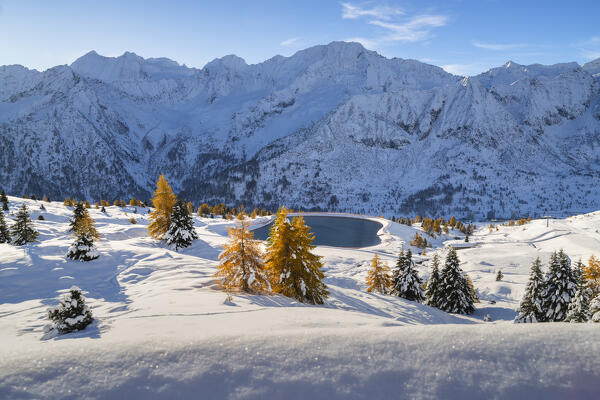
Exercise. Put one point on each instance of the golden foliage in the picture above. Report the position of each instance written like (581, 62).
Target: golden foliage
(241, 266)
(164, 199)
(592, 274)
(294, 271)
(86, 225)
(419, 241)
(379, 278)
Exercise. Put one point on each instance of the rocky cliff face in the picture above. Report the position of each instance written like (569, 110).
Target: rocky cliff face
(331, 127)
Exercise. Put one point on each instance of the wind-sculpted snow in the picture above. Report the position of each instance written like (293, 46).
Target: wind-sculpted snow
(333, 127)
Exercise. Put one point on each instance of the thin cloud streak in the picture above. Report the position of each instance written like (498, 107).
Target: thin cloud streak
(351, 11)
(289, 42)
(416, 29)
(497, 46)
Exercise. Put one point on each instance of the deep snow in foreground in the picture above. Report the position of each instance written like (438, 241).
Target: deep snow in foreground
(163, 329)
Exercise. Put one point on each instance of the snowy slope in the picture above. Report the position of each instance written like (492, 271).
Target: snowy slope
(334, 127)
(164, 329)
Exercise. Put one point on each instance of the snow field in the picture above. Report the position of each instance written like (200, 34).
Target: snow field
(163, 329)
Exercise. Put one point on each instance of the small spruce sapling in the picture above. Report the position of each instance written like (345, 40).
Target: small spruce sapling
(71, 314)
(499, 275)
(181, 232)
(23, 231)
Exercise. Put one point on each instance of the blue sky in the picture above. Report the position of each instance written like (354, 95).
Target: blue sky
(462, 36)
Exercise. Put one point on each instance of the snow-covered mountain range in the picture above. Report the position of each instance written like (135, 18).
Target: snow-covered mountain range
(333, 127)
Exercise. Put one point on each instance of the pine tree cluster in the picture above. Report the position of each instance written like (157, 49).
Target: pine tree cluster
(290, 267)
(563, 294)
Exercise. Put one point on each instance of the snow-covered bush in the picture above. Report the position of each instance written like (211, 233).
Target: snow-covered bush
(83, 248)
(595, 309)
(71, 314)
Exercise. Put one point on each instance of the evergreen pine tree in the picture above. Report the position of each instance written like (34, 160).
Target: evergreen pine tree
(379, 277)
(595, 309)
(399, 269)
(456, 295)
(23, 231)
(579, 308)
(83, 248)
(4, 232)
(164, 199)
(4, 200)
(181, 232)
(241, 266)
(560, 287)
(531, 309)
(71, 314)
(499, 275)
(433, 293)
(293, 269)
(79, 212)
(408, 285)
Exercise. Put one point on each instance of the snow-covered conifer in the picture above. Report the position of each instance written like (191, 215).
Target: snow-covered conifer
(434, 283)
(531, 309)
(595, 309)
(456, 296)
(83, 248)
(4, 232)
(579, 308)
(399, 269)
(181, 232)
(22, 230)
(4, 200)
(408, 283)
(71, 314)
(560, 287)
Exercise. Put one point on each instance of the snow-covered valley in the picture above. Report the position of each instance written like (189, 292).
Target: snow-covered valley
(164, 329)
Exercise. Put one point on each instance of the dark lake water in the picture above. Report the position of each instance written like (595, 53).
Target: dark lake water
(336, 231)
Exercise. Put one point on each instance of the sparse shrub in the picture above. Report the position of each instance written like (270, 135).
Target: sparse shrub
(41, 218)
(133, 220)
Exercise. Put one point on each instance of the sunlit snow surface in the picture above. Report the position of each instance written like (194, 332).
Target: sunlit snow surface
(164, 330)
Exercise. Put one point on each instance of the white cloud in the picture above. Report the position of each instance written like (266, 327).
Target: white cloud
(464, 69)
(351, 11)
(590, 48)
(497, 46)
(413, 30)
(367, 43)
(289, 42)
(395, 25)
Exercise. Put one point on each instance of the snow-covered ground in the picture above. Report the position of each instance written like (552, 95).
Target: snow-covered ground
(164, 330)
